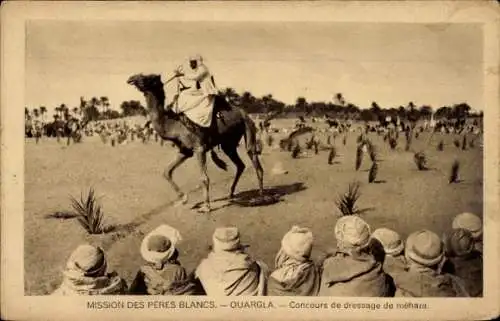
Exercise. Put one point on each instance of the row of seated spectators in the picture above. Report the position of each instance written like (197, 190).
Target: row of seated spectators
(364, 264)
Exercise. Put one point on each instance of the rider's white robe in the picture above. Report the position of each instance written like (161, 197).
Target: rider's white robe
(197, 102)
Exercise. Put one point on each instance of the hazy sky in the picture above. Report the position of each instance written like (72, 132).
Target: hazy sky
(388, 63)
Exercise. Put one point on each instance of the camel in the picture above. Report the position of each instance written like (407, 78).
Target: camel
(229, 125)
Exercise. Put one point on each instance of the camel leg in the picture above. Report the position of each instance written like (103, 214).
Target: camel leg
(258, 169)
(232, 153)
(202, 163)
(169, 171)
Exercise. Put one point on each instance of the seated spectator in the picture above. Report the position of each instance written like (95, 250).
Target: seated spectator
(394, 260)
(228, 270)
(85, 274)
(473, 224)
(162, 274)
(353, 270)
(464, 260)
(424, 255)
(295, 274)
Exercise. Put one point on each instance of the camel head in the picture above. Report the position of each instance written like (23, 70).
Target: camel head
(148, 83)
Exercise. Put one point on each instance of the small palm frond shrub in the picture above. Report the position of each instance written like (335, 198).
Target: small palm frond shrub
(372, 151)
(372, 175)
(408, 140)
(296, 151)
(269, 140)
(393, 142)
(331, 155)
(454, 172)
(407, 134)
(103, 136)
(310, 143)
(259, 146)
(440, 146)
(464, 143)
(284, 144)
(421, 161)
(359, 156)
(346, 203)
(89, 213)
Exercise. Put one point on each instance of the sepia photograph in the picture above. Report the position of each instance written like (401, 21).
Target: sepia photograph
(253, 158)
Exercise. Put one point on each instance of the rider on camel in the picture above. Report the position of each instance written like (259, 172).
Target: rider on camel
(197, 92)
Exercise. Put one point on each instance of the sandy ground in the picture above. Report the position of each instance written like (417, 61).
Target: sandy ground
(135, 197)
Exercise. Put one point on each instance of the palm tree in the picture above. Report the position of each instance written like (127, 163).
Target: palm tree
(461, 111)
(339, 99)
(56, 111)
(426, 111)
(247, 97)
(104, 101)
(43, 111)
(62, 109)
(230, 94)
(94, 102)
(267, 100)
(249, 102)
(301, 104)
(83, 104)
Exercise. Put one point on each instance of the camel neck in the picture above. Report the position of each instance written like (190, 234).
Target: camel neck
(158, 116)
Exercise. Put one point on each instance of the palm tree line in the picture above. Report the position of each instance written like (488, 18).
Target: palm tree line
(93, 109)
(340, 108)
(99, 109)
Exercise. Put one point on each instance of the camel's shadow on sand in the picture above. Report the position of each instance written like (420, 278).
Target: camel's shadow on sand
(252, 198)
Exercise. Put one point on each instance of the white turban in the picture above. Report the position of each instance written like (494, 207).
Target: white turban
(226, 239)
(352, 232)
(297, 243)
(159, 245)
(470, 222)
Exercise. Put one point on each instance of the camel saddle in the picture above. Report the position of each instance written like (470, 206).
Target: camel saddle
(220, 121)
